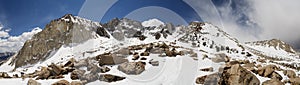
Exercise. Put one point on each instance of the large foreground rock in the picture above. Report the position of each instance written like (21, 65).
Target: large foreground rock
(230, 75)
(237, 75)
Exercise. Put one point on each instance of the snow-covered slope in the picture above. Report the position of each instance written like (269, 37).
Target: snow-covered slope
(151, 52)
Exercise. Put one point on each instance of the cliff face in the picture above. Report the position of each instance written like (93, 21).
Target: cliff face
(68, 30)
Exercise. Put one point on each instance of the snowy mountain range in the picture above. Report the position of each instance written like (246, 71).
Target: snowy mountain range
(75, 50)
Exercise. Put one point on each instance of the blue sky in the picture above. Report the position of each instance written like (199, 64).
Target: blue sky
(24, 15)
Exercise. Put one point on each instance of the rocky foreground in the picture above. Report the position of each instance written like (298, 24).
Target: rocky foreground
(233, 72)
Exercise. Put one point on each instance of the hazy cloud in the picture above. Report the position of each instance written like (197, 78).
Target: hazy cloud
(251, 20)
(279, 19)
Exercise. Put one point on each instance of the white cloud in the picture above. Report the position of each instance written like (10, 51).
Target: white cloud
(279, 19)
(3, 33)
(15, 43)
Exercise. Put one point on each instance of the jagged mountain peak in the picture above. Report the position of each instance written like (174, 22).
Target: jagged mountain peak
(67, 16)
(66, 31)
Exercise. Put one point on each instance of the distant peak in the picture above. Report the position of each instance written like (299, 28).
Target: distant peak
(276, 43)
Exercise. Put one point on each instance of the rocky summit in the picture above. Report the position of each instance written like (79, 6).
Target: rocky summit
(77, 51)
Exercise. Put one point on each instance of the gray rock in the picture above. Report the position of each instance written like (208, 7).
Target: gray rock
(132, 68)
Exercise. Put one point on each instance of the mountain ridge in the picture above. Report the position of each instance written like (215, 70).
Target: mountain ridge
(125, 51)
